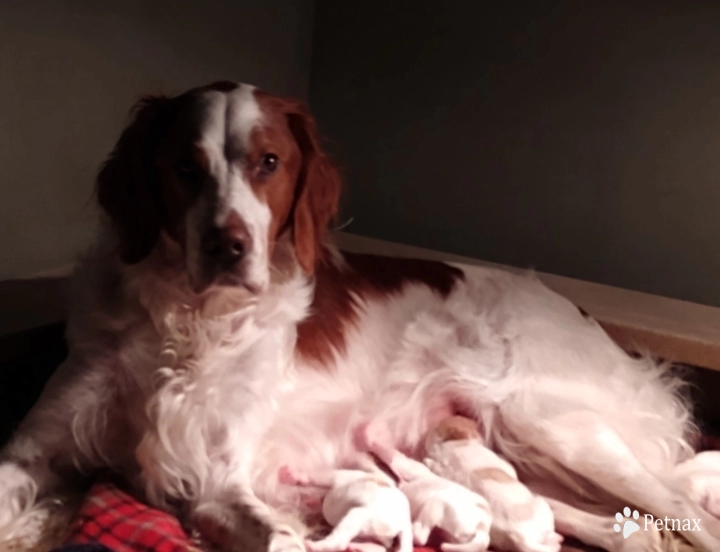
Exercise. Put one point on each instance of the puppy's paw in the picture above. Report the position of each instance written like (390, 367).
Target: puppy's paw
(479, 543)
(361, 436)
(285, 539)
(554, 541)
(324, 545)
(372, 436)
(441, 469)
(550, 542)
(421, 533)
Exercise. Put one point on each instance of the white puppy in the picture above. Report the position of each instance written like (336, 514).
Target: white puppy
(435, 502)
(363, 504)
(521, 521)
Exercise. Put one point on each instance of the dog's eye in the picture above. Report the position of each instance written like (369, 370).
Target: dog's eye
(190, 175)
(187, 170)
(269, 163)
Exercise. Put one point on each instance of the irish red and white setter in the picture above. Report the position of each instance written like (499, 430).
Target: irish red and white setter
(216, 334)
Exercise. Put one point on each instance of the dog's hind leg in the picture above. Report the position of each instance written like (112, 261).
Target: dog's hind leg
(596, 530)
(584, 444)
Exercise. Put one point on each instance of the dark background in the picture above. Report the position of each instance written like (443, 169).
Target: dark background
(579, 138)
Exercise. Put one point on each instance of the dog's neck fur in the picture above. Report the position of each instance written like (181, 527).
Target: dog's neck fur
(224, 349)
(161, 286)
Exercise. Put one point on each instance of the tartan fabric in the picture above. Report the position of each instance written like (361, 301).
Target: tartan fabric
(83, 548)
(111, 517)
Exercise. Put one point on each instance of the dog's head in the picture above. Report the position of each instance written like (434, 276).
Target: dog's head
(224, 171)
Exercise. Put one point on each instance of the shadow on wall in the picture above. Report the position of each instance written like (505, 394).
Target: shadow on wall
(578, 138)
(72, 70)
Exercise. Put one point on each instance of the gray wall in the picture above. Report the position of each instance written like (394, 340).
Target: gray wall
(69, 72)
(581, 138)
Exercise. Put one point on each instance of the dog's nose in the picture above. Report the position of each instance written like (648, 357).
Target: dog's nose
(227, 244)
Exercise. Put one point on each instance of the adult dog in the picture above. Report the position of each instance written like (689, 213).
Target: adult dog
(215, 333)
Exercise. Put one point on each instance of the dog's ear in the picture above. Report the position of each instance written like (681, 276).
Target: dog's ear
(317, 191)
(127, 186)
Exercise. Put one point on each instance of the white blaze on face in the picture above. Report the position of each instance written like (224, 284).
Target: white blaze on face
(227, 124)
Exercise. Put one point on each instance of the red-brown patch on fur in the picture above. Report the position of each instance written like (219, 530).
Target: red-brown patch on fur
(335, 306)
(456, 428)
(312, 203)
(493, 474)
(277, 190)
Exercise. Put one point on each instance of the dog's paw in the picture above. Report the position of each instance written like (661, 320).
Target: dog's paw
(17, 492)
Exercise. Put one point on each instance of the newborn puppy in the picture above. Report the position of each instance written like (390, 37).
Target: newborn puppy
(359, 504)
(462, 515)
(521, 521)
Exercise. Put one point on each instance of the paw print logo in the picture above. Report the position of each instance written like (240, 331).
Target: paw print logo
(625, 524)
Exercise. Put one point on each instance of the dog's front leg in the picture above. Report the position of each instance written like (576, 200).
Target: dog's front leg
(238, 521)
(43, 454)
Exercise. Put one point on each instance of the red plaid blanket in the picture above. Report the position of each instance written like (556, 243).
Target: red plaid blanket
(113, 518)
